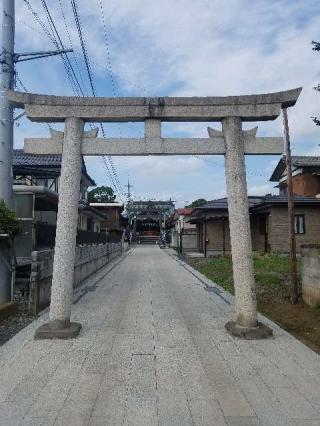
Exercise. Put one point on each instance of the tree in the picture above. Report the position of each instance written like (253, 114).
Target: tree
(9, 224)
(101, 194)
(316, 47)
(197, 203)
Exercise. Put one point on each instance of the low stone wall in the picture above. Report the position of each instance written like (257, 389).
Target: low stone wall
(89, 259)
(310, 273)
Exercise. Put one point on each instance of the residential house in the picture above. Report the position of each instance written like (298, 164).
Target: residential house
(112, 225)
(268, 220)
(183, 233)
(305, 175)
(36, 181)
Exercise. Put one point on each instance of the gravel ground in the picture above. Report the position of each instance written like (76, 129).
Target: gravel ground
(13, 324)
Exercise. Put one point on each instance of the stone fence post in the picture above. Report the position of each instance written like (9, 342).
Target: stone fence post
(310, 274)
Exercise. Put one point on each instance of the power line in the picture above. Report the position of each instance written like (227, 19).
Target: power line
(106, 39)
(64, 56)
(53, 39)
(71, 45)
(113, 86)
(83, 45)
(75, 85)
(115, 178)
(89, 71)
(36, 16)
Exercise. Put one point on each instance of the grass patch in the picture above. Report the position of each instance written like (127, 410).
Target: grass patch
(272, 276)
(218, 270)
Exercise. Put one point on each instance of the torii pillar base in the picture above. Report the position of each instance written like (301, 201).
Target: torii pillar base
(58, 330)
(261, 331)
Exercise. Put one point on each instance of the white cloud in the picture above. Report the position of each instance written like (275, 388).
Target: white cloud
(185, 47)
(261, 189)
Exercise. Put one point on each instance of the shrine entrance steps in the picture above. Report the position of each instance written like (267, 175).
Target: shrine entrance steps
(148, 239)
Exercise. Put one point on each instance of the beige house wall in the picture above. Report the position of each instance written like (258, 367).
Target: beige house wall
(258, 239)
(277, 238)
(214, 236)
(278, 227)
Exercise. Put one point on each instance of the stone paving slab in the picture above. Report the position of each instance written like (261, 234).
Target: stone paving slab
(154, 351)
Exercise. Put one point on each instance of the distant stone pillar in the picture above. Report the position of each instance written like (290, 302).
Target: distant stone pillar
(241, 247)
(59, 325)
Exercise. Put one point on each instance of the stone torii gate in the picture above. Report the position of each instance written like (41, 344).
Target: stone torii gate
(232, 142)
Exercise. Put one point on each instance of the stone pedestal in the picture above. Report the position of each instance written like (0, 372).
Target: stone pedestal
(59, 325)
(241, 248)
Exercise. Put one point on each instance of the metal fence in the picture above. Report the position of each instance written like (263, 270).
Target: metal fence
(45, 235)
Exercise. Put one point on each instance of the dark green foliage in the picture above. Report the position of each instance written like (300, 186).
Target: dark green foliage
(101, 194)
(9, 224)
(197, 203)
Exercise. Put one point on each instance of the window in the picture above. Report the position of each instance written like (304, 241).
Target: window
(42, 181)
(299, 225)
(263, 225)
(51, 184)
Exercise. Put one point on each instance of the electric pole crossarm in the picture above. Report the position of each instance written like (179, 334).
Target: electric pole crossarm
(21, 57)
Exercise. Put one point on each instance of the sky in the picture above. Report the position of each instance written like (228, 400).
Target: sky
(179, 48)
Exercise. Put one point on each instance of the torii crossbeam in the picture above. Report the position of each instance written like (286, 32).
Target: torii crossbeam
(232, 142)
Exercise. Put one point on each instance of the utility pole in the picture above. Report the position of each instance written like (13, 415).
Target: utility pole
(8, 60)
(292, 237)
(6, 139)
(6, 111)
(128, 186)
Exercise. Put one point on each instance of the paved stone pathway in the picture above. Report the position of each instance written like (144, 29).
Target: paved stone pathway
(154, 351)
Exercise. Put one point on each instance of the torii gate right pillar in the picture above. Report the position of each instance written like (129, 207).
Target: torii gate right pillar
(246, 325)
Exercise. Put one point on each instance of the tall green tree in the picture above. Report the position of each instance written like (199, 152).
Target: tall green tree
(101, 194)
(197, 203)
(316, 47)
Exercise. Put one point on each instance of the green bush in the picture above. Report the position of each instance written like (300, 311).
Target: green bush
(9, 224)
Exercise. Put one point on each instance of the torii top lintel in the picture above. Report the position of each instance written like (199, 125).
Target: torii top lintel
(47, 108)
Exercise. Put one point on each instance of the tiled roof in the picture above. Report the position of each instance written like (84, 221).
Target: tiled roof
(222, 203)
(186, 211)
(255, 203)
(283, 199)
(297, 161)
(42, 161)
(20, 158)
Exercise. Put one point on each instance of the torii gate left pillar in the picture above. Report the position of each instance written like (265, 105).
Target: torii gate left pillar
(232, 142)
(66, 234)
